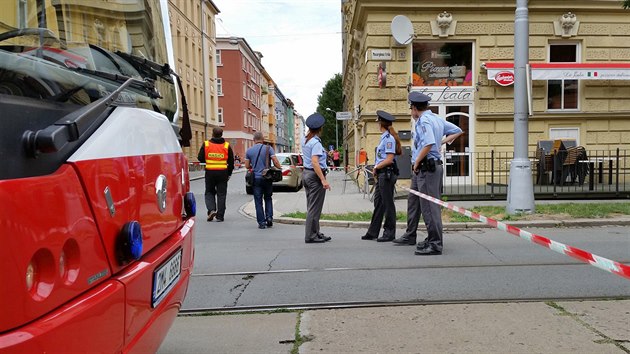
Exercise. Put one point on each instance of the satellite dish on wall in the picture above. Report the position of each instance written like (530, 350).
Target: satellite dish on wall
(402, 30)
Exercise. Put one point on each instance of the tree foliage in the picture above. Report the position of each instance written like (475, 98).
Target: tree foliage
(626, 4)
(331, 97)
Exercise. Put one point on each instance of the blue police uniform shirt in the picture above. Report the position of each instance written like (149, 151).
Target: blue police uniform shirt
(386, 146)
(416, 132)
(252, 153)
(433, 129)
(311, 148)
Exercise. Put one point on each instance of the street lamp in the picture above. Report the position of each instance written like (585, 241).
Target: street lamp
(336, 129)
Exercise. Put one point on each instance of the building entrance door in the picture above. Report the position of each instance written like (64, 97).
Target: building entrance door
(457, 156)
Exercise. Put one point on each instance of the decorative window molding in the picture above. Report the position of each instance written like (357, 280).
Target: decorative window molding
(567, 25)
(444, 25)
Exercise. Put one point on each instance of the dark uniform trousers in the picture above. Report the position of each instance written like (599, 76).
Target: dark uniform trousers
(384, 207)
(430, 183)
(216, 191)
(315, 194)
(413, 208)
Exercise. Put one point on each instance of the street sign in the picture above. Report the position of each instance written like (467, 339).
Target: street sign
(343, 115)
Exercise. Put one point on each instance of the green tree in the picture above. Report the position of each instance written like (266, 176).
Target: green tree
(331, 97)
(626, 4)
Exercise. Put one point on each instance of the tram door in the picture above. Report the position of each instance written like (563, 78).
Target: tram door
(457, 156)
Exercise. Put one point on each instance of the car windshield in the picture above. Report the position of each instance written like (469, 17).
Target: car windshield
(284, 160)
(77, 51)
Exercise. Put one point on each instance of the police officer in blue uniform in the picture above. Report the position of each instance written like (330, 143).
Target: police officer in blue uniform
(315, 183)
(413, 201)
(385, 176)
(434, 132)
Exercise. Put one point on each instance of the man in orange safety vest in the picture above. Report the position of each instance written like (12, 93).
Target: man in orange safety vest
(218, 156)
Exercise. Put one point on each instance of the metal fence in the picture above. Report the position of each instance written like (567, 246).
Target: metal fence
(575, 173)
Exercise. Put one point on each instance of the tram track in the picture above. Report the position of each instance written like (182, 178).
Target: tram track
(366, 304)
(421, 267)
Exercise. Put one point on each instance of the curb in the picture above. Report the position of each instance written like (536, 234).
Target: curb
(455, 226)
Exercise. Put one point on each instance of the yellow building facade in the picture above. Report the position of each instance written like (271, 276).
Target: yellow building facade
(193, 31)
(456, 50)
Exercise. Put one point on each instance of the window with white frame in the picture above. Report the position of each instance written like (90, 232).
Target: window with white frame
(219, 61)
(220, 116)
(245, 118)
(565, 133)
(219, 86)
(244, 90)
(563, 94)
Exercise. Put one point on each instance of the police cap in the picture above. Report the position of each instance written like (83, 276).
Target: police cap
(417, 97)
(382, 115)
(315, 121)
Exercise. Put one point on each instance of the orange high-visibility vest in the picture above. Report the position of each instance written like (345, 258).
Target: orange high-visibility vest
(216, 156)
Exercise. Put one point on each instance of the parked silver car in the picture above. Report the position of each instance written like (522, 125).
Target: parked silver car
(292, 169)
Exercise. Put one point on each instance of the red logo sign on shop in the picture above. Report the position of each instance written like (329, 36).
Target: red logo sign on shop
(504, 78)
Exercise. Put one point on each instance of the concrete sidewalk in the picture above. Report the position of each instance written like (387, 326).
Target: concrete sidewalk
(515, 327)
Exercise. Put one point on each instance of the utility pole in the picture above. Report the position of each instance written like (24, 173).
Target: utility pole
(520, 198)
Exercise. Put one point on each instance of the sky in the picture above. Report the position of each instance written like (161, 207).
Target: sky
(300, 41)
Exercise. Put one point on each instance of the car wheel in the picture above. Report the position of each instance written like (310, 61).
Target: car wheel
(249, 190)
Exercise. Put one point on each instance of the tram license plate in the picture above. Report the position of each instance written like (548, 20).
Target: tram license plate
(165, 277)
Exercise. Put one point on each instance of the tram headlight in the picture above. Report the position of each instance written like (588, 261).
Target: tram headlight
(62, 264)
(30, 276)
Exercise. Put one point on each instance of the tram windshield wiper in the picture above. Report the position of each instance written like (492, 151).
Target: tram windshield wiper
(147, 85)
(148, 68)
(72, 126)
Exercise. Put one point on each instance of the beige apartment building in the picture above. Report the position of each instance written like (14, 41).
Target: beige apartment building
(461, 53)
(194, 42)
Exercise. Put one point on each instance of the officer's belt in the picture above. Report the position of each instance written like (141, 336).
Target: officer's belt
(324, 170)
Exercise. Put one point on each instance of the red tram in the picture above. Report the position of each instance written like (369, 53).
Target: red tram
(96, 216)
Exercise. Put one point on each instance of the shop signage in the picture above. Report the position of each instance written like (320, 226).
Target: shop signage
(504, 78)
(448, 94)
(566, 71)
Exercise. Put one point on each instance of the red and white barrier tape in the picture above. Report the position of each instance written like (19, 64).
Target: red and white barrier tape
(586, 257)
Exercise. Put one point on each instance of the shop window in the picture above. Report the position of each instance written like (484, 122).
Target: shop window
(442, 64)
(563, 94)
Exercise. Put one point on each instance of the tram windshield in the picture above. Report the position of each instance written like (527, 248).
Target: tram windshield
(74, 52)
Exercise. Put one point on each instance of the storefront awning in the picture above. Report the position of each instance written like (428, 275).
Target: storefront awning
(559, 71)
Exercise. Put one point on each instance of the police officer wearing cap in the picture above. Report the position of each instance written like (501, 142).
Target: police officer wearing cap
(434, 131)
(413, 201)
(315, 183)
(385, 176)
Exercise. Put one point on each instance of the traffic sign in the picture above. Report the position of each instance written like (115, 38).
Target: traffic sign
(343, 115)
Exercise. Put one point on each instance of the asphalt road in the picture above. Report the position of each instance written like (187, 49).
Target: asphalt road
(238, 265)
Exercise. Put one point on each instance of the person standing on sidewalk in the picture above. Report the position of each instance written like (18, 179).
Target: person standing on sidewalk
(413, 201)
(219, 158)
(315, 183)
(336, 159)
(385, 175)
(428, 165)
(256, 158)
